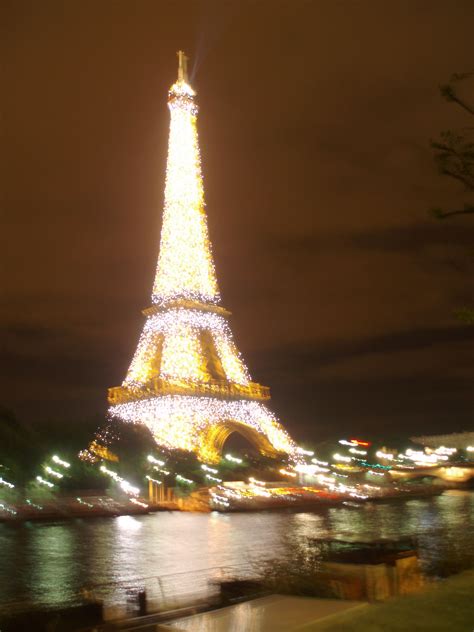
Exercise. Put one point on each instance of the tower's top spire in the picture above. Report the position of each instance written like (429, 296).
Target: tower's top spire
(182, 67)
(181, 87)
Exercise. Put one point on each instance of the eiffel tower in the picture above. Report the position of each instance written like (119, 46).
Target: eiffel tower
(187, 381)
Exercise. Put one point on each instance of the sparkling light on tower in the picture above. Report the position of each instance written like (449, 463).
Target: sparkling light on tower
(187, 381)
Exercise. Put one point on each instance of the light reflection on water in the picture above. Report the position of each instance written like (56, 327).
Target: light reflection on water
(50, 563)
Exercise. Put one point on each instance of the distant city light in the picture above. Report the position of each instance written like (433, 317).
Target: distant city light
(384, 455)
(53, 472)
(354, 442)
(127, 487)
(356, 451)
(446, 451)
(184, 479)
(421, 458)
(341, 457)
(305, 468)
(287, 473)
(254, 481)
(152, 459)
(234, 459)
(161, 470)
(305, 452)
(318, 462)
(154, 480)
(43, 481)
(59, 461)
(213, 478)
(32, 504)
(328, 480)
(83, 502)
(209, 469)
(138, 502)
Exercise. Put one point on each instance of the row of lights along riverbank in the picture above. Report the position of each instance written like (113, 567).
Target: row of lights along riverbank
(356, 470)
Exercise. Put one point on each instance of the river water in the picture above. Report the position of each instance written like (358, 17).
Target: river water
(48, 564)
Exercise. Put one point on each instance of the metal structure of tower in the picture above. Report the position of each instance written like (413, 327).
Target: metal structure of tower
(187, 381)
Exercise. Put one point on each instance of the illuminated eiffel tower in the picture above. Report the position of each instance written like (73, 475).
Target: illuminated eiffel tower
(187, 381)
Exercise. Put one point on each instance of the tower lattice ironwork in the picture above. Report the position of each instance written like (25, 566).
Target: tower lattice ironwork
(187, 381)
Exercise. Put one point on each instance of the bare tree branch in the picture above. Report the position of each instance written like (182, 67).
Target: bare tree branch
(448, 93)
(454, 156)
(440, 214)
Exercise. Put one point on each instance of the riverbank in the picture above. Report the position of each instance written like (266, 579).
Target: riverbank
(205, 500)
(294, 505)
(442, 606)
(68, 508)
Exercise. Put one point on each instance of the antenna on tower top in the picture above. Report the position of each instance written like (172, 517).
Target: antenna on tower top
(182, 67)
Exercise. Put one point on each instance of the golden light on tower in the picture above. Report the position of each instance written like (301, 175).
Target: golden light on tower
(185, 267)
(187, 381)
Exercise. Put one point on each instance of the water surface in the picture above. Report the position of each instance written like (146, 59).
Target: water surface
(48, 564)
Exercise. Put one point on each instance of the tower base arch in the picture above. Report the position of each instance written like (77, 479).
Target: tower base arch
(213, 438)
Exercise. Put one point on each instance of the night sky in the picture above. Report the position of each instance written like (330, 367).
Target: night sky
(315, 122)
